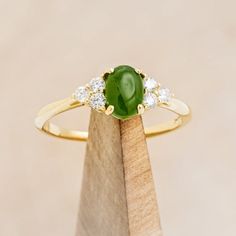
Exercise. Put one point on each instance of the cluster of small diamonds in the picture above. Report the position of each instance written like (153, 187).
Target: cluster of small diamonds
(154, 94)
(92, 94)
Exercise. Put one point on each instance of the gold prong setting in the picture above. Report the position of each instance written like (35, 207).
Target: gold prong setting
(141, 109)
(109, 110)
(138, 71)
(92, 94)
(111, 70)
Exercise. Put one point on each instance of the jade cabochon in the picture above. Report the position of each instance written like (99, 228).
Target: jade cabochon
(124, 90)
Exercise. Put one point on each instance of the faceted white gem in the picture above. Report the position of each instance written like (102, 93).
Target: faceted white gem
(97, 84)
(97, 101)
(81, 94)
(150, 100)
(164, 95)
(150, 84)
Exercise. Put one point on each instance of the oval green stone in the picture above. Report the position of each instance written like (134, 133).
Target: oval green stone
(124, 90)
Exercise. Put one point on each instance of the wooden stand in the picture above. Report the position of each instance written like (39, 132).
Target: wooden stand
(118, 196)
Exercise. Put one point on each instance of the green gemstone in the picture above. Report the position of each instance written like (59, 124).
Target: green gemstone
(124, 90)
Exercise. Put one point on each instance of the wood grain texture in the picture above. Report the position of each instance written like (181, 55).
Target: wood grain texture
(118, 196)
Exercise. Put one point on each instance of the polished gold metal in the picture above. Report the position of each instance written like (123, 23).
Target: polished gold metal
(111, 70)
(43, 123)
(141, 109)
(109, 110)
(138, 71)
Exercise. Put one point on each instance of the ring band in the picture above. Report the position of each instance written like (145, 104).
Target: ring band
(122, 94)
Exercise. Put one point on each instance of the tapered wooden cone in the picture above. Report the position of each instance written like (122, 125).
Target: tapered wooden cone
(118, 196)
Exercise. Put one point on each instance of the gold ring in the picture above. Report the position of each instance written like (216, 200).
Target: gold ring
(122, 92)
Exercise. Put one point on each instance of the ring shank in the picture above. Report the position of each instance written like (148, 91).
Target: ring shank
(43, 123)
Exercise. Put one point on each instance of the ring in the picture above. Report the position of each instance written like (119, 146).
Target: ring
(122, 92)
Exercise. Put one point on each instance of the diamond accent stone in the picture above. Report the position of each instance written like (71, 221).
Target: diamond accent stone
(150, 100)
(150, 84)
(97, 84)
(164, 95)
(97, 101)
(81, 94)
